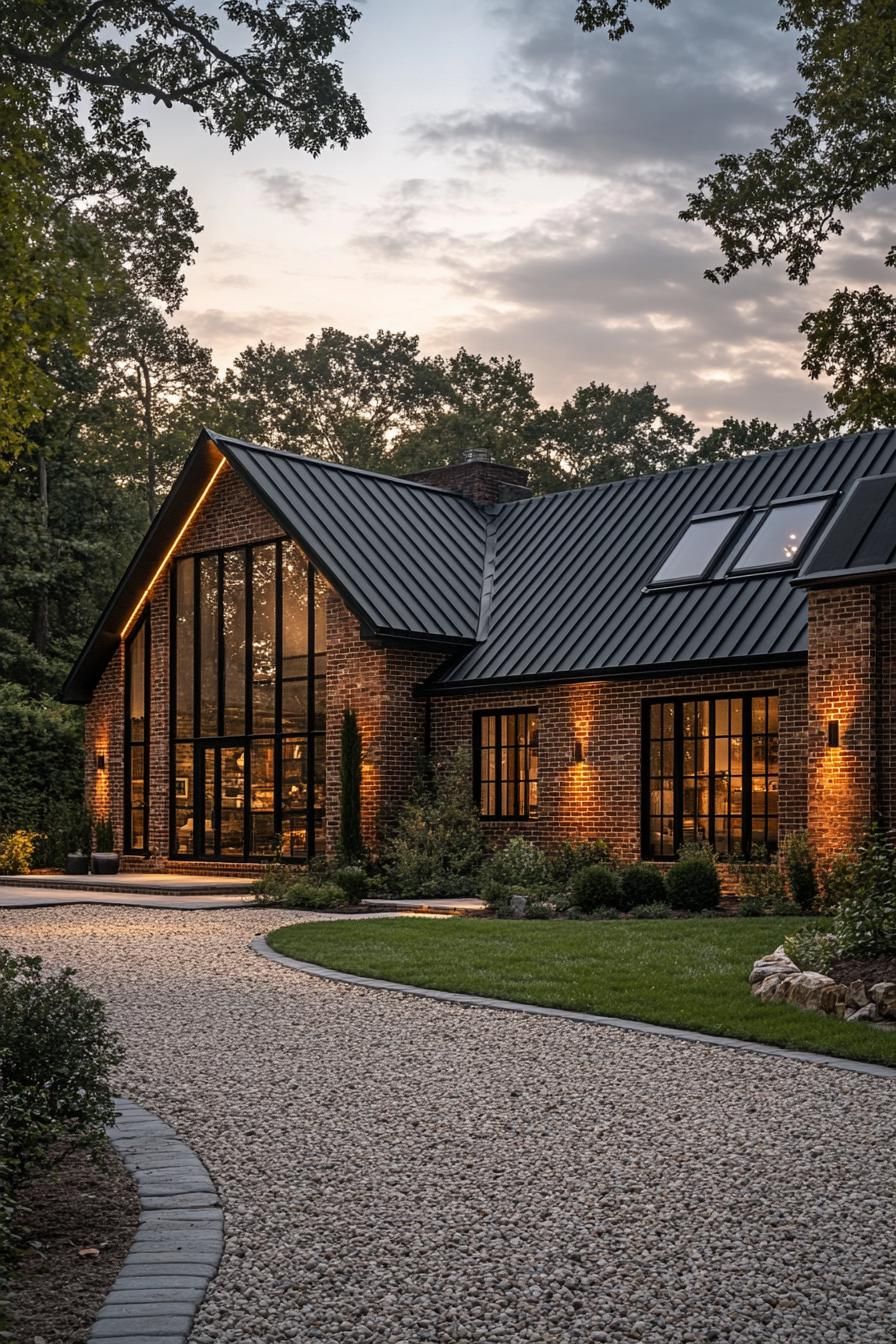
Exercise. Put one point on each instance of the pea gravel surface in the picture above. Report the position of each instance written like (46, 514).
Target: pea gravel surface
(396, 1169)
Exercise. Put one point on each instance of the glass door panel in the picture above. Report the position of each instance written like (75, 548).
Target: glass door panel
(232, 825)
(209, 773)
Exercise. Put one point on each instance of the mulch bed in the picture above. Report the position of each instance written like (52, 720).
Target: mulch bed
(58, 1285)
(869, 972)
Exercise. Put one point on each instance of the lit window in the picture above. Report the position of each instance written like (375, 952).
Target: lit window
(779, 537)
(506, 751)
(695, 551)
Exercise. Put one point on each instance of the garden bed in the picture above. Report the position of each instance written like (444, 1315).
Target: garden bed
(681, 973)
(870, 972)
(76, 1222)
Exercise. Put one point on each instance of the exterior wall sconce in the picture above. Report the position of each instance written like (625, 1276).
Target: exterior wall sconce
(578, 752)
(100, 761)
(833, 732)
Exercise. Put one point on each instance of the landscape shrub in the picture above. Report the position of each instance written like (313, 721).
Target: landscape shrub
(309, 893)
(653, 910)
(837, 882)
(799, 865)
(641, 884)
(539, 909)
(811, 950)
(68, 827)
(17, 851)
(693, 880)
(354, 882)
(273, 884)
(520, 866)
(865, 919)
(41, 758)
(103, 836)
(572, 856)
(436, 848)
(602, 912)
(56, 1056)
(751, 906)
(596, 885)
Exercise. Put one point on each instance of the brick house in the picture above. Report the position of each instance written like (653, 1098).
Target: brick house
(703, 654)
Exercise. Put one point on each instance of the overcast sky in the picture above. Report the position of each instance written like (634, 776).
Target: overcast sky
(518, 194)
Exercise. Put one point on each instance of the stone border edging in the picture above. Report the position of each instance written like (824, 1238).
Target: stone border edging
(179, 1240)
(262, 947)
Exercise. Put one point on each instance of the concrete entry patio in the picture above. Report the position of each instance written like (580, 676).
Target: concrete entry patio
(159, 891)
(396, 1169)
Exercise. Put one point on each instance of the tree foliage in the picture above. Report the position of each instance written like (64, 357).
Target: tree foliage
(785, 200)
(272, 70)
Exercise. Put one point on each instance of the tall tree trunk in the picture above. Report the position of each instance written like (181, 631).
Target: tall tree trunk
(40, 618)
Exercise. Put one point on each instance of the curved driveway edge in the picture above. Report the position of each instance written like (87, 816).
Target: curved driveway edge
(179, 1240)
(261, 946)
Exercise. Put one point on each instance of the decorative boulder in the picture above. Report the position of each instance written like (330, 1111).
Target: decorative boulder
(867, 1014)
(776, 963)
(805, 989)
(856, 994)
(883, 996)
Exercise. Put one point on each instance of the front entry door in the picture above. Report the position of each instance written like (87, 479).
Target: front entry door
(221, 769)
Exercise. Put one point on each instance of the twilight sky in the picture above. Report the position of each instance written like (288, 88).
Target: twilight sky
(518, 194)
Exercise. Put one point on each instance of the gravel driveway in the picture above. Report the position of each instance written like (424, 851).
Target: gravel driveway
(394, 1169)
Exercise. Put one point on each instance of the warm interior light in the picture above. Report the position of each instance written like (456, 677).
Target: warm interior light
(172, 548)
(833, 732)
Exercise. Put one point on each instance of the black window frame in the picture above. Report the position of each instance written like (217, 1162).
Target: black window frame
(746, 816)
(758, 516)
(144, 624)
(313, 737)
(709, 569)
(499, 715)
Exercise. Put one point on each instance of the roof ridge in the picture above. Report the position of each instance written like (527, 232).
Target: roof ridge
(337, 466)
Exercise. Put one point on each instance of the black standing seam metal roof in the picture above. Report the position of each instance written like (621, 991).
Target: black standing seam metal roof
(553, 587)
(860, 541)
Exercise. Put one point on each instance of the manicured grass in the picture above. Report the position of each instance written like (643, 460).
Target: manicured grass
(685, 973)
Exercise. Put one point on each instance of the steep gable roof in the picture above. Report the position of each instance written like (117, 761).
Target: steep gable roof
(553, 587)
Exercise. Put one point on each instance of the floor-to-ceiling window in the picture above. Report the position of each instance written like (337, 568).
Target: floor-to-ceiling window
(136, 721)
(248, 709)
(711, 774)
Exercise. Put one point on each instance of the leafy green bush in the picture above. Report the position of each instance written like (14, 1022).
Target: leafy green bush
(436, 848)
(653, 910)
(310, 894)
(539, 910)
(41, 758)
(837, 881)
(603, 912)
(751, 906)
(811, 950)
(56, 1054)
(519, 865)
(799, 865)
(67, 830)
(17, 851)
(353, 881)
(865, 920)
(571, 856)
(273, 884)
(642, 884)
(596, 885)
(104, 837)
(693, 880)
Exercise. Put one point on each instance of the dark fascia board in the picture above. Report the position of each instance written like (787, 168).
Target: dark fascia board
(843, 578)
(641, 672)
(104, 638)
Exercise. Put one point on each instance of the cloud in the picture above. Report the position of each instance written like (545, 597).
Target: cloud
(284, 189)
(229, 331)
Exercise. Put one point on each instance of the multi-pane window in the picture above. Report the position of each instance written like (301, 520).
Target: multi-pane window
(506, 764)
(136, 694)
(711, 774)
(249, 704)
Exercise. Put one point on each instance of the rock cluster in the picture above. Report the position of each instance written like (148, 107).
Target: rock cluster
(777, 979)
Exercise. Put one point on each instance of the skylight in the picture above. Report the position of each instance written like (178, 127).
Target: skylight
(779, 537)
(697, 548)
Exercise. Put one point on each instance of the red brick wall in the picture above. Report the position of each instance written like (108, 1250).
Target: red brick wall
(483, 482)
(601, 797)
(852, 643)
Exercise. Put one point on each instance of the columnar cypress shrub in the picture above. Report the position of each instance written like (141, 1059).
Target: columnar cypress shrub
(351, 844)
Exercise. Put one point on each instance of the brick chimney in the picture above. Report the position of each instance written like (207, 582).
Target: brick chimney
(479, 478)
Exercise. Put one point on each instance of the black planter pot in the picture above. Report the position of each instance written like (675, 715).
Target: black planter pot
(104, 865)
(77, 865)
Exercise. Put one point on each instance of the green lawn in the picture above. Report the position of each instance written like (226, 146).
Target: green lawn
(684, 973)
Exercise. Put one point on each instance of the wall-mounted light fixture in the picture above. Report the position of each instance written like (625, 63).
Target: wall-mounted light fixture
(578, 751)
(100, 761)
(833, 732)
